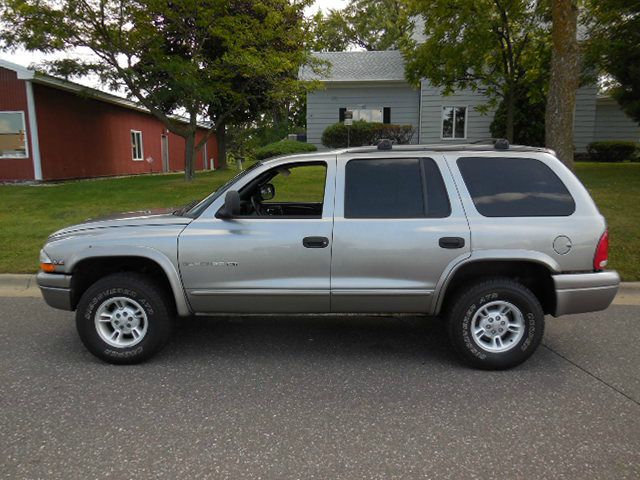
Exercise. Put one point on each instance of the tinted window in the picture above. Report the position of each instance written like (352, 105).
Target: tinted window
(438, 205)
(394, 189)
(515, 187)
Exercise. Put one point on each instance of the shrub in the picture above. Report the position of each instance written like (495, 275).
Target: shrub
(365, 133)
(613, 151)
(283, 147)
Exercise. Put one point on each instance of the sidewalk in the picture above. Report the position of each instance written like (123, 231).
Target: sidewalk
(24, 285)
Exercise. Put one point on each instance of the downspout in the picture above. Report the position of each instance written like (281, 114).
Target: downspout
(420, 114)
(33, 129)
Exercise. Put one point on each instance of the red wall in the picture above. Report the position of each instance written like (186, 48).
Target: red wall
(13, 97)
(83, 137)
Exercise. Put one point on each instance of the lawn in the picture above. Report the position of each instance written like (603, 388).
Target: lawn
(29, 213)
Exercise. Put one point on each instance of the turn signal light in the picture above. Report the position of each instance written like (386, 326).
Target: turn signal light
(47, 267)
(601, 257)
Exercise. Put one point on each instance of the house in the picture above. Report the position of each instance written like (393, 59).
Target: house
(372, 85)
(52, 129)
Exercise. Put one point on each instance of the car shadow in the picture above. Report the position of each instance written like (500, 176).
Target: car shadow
(413, 338)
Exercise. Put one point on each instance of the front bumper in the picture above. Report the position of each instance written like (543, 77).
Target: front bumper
(56, 289)
(585, 292)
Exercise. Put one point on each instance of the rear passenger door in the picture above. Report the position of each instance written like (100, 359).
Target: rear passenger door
(398, 226)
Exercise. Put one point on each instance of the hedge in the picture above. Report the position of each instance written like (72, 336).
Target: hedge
(365, 133)
(283, 147)
(613, 151)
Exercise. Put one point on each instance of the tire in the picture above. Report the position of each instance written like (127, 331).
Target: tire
(126, 303)
(495, 324)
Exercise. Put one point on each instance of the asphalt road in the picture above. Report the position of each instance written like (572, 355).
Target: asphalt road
(322, 398)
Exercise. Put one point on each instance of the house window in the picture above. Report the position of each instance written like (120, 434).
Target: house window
(454, 122)
(377, 115)
(13, 137)
(136, 145)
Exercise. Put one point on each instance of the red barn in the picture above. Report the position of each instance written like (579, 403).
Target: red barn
(52, 129)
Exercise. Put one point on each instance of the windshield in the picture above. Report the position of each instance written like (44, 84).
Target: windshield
(201, 206)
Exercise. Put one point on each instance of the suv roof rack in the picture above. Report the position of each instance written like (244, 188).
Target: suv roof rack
(496, 144)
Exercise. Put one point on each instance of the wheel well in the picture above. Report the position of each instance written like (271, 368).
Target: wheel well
(89, 271)
(533, 275)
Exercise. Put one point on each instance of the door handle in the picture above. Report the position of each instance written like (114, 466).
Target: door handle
(315, 242)
(451, 242)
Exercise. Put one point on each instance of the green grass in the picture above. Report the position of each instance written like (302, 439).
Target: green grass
(29, 213)
(616, 188)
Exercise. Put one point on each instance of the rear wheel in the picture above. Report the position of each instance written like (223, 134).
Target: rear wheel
(124, 318)
(495, 324)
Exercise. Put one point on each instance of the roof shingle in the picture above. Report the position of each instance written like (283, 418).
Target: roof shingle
(385, 65)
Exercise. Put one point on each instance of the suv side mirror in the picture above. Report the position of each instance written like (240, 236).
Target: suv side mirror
(231, 207)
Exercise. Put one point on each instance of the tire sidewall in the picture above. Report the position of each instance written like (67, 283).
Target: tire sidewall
(467, 307)
(148, 299)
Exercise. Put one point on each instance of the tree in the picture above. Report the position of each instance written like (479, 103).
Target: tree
(613, 49)
(367, 24)
(202, 58)
(564, 79)
(378, 24)
(496, 47)
(329, 32)
(528, 121)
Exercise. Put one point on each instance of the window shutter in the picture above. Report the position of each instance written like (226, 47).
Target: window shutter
(341, 114)
(386, 115)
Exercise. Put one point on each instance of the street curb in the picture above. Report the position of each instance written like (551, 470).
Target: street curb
(17, 281)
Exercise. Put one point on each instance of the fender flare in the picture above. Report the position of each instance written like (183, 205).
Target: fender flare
(97, 251)
(487, 256)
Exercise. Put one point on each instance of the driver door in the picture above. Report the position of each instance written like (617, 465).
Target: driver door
(274, 257)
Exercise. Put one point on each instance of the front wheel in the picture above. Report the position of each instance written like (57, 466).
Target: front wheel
(123, 318)
(495, 324)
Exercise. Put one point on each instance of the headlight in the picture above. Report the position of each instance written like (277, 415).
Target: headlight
(46, 264)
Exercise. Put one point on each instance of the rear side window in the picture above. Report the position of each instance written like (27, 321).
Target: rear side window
(395, 188)
(515, 187)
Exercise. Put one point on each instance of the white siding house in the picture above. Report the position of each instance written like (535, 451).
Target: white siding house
(373, 85)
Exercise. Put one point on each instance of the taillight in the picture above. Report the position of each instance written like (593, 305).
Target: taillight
(601, 257)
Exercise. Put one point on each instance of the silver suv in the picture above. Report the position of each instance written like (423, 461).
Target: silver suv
(490, 237)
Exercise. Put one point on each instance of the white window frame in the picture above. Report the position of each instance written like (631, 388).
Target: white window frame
(26, 136)
(136, 134)
(466, 122)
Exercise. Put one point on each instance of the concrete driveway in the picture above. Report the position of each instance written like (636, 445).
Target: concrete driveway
(320, 398)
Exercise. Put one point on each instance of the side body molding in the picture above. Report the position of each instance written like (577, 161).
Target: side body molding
(97, 251)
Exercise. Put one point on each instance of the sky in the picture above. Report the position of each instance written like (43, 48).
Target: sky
(24, 58)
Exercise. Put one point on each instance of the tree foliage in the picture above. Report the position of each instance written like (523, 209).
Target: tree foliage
(366, 24)
(613, 48)
(212, 60)
(496, 47)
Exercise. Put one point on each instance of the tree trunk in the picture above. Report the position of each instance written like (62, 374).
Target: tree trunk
(221, 135)
(189, 156)
(511, 107)
(564, 80)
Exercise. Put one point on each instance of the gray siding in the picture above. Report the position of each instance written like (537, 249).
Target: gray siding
(585, 117)
(613, 124)
(432, 103)
(323, 105)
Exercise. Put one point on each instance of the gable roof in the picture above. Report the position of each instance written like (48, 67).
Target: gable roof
(24, 73)
(365, 66)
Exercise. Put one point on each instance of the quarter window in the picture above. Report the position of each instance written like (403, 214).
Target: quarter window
(454, 122)
(137, 152)
(394, 188)
(13, 137)
(515, 187)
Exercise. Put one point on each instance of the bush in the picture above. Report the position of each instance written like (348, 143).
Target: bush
(613, 151)
(283, 147)
(365, 133)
